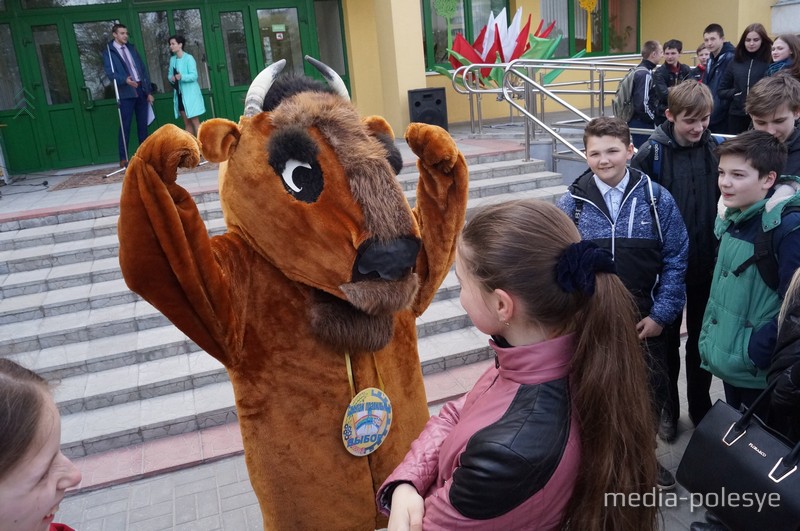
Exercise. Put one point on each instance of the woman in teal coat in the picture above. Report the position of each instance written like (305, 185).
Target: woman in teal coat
(183, 76)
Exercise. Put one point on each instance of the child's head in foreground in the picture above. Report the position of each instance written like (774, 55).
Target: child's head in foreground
(34, 474)
(749, 165)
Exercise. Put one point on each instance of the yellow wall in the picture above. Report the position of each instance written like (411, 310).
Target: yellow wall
(385, 55)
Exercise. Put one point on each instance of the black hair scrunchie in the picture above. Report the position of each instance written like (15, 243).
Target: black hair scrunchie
(576, 268)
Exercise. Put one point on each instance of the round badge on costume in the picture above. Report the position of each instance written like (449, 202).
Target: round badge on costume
(367, 422)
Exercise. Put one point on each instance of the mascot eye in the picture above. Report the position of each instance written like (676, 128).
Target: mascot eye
(295, 171)
(293, 157)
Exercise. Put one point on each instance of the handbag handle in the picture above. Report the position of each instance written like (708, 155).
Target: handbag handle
(744, 421)
(786, 465)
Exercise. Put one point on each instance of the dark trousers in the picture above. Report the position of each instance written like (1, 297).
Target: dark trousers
(127, 108)
(744, 396)
(639, 139)
(698, 381)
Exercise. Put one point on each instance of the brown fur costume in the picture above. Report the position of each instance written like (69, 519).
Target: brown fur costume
(276, 298)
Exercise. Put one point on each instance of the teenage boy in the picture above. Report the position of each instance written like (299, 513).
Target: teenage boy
(774, 105)
(668, 75)
(643, 107)
(680, 156)
(701, 59)
(721, 54)
(739, 326)
(622, 210)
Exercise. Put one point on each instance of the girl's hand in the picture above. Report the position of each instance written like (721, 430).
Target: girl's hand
(408, 508)
(177, 77)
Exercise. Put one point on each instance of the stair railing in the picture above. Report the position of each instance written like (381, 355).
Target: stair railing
(525, 93)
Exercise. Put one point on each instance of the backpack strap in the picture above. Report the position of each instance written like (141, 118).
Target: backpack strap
(576, 214)
(764, 254)
(658, 155)
(653, 193)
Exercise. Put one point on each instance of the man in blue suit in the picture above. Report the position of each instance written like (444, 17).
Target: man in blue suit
(128, 72)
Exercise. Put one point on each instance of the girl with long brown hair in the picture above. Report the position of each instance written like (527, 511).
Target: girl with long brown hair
(560, 429)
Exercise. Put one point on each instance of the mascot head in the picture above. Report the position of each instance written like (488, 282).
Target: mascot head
(312, 187)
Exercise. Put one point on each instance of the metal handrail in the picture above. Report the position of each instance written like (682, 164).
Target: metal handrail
(466, 80)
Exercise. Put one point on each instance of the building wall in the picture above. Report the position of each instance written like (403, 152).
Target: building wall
(384, 46)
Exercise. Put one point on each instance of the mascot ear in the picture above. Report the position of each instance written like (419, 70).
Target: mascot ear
(380, 129)
(378, 126)
(218, 138)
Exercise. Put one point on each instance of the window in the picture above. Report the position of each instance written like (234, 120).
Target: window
(31, 4)
(609, 27)
(11, 87)
(442, 20)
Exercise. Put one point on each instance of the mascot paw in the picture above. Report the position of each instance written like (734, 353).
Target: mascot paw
(433, 145)
(168, 149)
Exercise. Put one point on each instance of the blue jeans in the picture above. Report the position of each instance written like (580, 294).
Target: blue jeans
(127, 108)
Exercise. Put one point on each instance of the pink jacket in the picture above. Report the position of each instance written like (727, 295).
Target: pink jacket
(505, 455)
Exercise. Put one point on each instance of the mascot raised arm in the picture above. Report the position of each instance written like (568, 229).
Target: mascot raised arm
(310, 298)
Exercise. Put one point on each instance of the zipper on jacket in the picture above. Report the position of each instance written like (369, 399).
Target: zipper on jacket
(630, 218)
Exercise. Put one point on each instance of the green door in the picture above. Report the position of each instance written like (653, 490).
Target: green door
(73, 92)
(247, 37)
(67, 113)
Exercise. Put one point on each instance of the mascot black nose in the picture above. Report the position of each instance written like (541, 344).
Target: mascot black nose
(386, 260)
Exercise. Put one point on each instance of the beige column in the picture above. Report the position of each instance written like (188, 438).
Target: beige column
(385, 55)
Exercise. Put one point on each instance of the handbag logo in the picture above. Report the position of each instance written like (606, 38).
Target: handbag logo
(758, 450)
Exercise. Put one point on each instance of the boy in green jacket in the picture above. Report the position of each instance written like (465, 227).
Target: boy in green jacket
(756, 214)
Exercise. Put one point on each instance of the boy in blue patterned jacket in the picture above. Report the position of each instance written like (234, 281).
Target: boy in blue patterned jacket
(622, 210)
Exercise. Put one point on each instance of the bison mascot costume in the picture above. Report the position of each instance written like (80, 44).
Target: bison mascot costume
(310, 299)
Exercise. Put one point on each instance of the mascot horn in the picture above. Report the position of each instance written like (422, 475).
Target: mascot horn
(310, 299)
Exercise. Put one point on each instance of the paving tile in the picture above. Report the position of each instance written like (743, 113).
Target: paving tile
(162, 454)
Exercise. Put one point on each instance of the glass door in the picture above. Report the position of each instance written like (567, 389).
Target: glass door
(58, 100)
(18, 109)
(75, 109)
(248, 37)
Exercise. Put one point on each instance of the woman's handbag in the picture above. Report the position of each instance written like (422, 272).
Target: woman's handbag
(746, 474)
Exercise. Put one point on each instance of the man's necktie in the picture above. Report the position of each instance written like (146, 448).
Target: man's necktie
(128, 63)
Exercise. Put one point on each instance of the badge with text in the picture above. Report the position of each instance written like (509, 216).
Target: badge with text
(367, 422)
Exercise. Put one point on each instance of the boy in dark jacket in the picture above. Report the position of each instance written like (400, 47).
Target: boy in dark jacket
(680, 157)
(774, 106)
(622, 210)
(644, 103)
(670, 74)
(698, 73)
(721, 55)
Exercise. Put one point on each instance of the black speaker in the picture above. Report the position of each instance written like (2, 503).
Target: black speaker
(428, 106)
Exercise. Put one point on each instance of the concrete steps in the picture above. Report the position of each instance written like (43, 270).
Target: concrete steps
(125, 374)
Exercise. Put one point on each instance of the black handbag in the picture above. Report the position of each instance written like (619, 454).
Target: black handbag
(742, 471)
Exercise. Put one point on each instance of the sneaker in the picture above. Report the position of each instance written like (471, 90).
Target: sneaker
(665, 479)
(667, 428)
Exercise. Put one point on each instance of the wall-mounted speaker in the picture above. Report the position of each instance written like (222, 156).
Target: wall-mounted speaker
(428, 106)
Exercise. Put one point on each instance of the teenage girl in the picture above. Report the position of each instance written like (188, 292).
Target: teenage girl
(563, 417)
